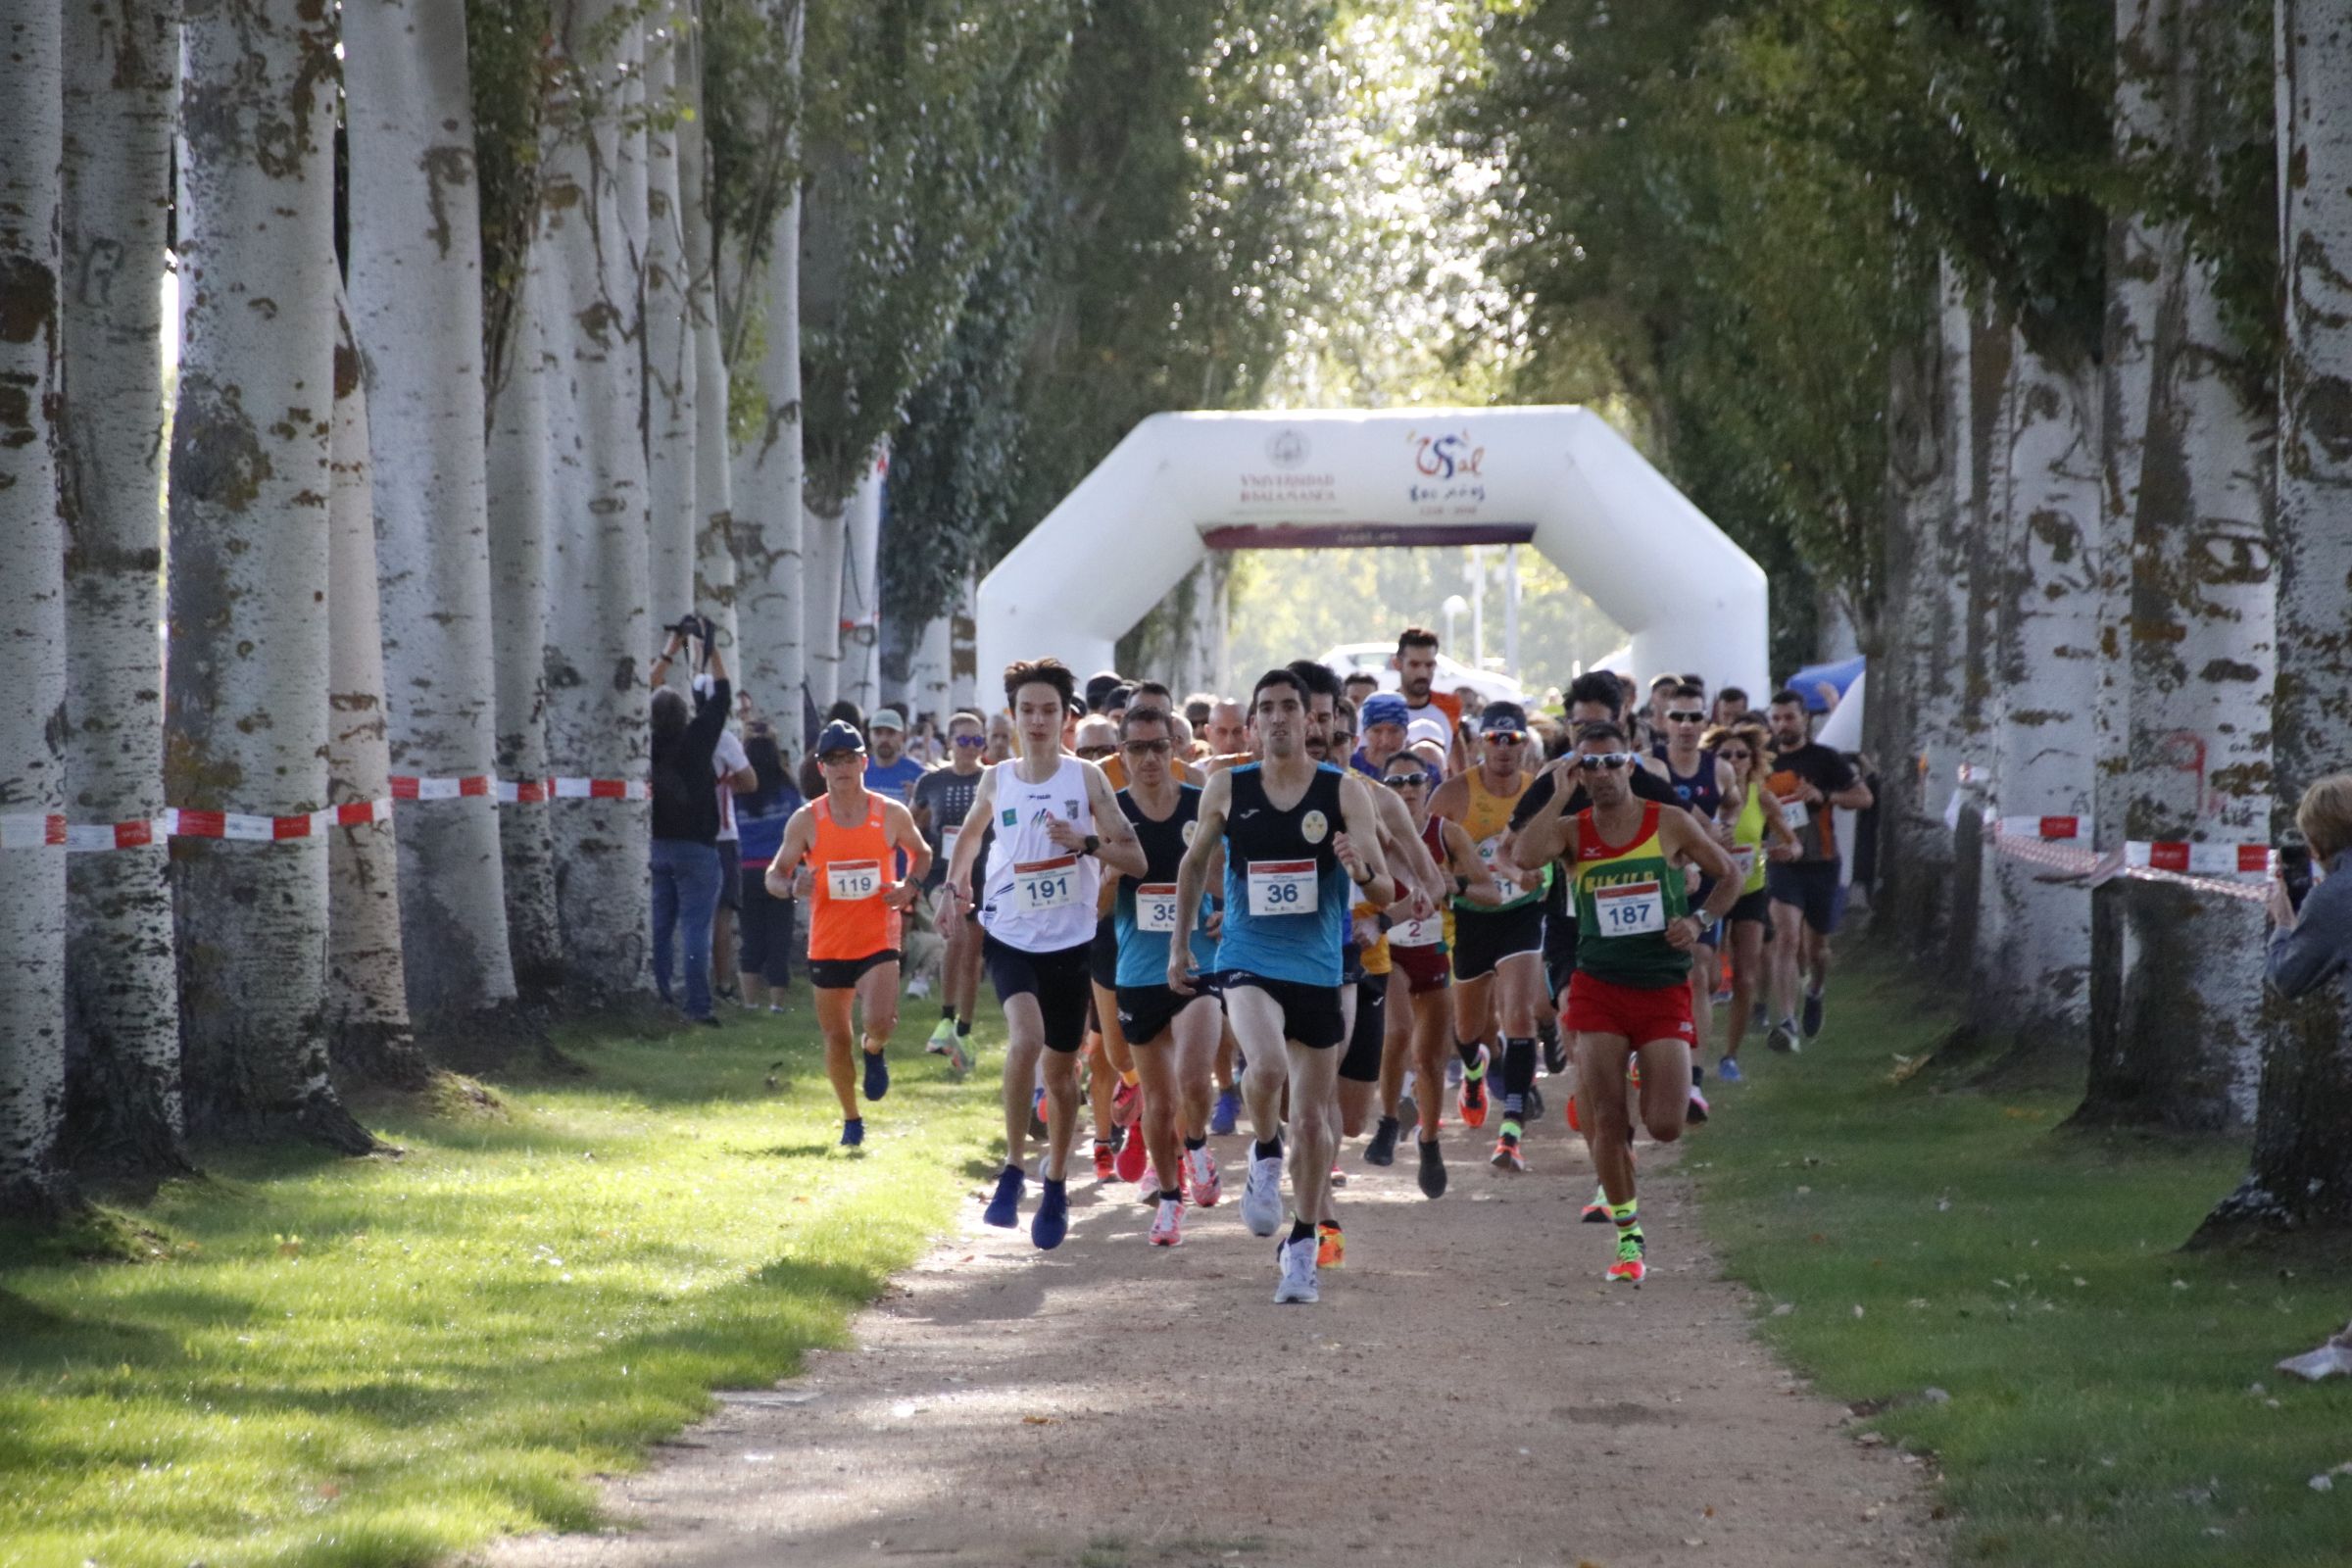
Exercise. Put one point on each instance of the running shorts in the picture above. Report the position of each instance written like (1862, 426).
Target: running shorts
(1559, 952)
(1145, 1012)
(1483, 939)
(1640, 1014)
(1361, 1063)
(1103, 955)
(1310, 1014)
(1813, 887)
(1057, 980)
(1351, 962)
(1752, 909)
(1424, 969)
(840, 974)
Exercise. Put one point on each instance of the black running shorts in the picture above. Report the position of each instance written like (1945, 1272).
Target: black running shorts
(1483, 939)
(1364, 1041)
(1310, 1014)
(842, 974)
(1057, 980)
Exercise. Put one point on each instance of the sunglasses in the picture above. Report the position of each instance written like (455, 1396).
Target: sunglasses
(1406, 781)
(1685, 716)
(1095, 753)
(1160, 748)
(972, 740)
(1736, 757)
(1504, 736)
(1608, 762)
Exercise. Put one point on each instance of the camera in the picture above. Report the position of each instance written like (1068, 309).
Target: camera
(2294, 870)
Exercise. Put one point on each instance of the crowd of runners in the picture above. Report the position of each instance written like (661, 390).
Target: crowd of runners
(1327, 912)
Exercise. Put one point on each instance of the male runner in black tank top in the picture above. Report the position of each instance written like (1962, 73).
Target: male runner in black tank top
(1703, 782)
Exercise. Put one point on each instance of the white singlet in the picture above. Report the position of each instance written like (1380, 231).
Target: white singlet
(1040, 896)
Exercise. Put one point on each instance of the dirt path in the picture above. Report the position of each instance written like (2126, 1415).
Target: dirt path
(1468, 1391)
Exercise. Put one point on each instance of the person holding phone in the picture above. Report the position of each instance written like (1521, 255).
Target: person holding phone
(2310, 895)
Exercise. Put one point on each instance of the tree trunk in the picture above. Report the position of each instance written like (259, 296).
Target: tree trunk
(2176, 1027)
(2302, 1169)
(32, 620)
(714, 518)
(122, 69)
(861, 639)
(599, 633)
(417, 302)
(1978, 934)
(519, 462)
(824, 542)
(670, 374)
(366, 978)
(246, 725)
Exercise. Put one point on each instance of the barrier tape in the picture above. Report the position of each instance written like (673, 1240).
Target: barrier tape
(2209, 867)
(43, 830)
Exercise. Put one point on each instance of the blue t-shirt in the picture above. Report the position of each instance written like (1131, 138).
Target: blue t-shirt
(892, 782)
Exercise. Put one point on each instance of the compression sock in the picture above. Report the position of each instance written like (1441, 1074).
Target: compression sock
(1469, 1054)
(1625, 1216)
(947, 1014)
(1518, 1073)
(1263, 1149)
(1191, 1144)
(1303, 1230)
(964, 1028)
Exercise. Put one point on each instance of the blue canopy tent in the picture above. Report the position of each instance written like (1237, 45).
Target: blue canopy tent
(1817, 682)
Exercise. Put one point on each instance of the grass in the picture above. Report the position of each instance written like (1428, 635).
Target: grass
(387, 1361)
(1944, 1232)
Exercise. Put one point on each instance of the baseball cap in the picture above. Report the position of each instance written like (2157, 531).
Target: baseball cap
(887, 718)
(1502, 719)
(840, 736)
(1383, 708)
(1425, 729)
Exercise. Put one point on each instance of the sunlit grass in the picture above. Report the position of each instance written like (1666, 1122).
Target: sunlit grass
(2102, 1403)
(387, 1361)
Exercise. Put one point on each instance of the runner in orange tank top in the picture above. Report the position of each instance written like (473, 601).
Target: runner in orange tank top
(847, 836)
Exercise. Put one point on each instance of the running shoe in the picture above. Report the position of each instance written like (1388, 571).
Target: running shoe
(1261, 1195)
(1331, 1248)
(1722, 998)
(1134, 1160)
(853, 1133)
(1003, 1211)
(943, 1035)
(1147, 1184)
(1297, 1283)
(1727, 1071)
(1597, 1212)
(1506, 1157)
(1381, 1150)
(1698, 1114)
(1555, 1057)
(1433, 1169)
(1576, 1120)
(959, 1057)
(1783, 1038)
(1126, 1101)
(1409, 1110)
(1106, 1164)
(1229, 1110)
(1629, 1270)
(1535, 1104)
(1339, 1177)
(1812, 1015)
(1200, 1172)
(1167, 1226)
(877, 1075)
(1759, 1021)
(1052, 1220)
(1474, 1092)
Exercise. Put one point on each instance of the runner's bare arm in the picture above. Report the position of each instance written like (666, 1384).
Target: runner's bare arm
(1548, 836)
(1120, 850)
(1413, 861)
(1779, 840)
(1855, 796)
(1450, 799)
(904, 835)
(1462, 863)
(1684, 835)
(798, 834)
(1192, 877)
(1362, 816)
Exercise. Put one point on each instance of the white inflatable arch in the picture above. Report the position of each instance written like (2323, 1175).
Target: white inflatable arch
(1558, 478)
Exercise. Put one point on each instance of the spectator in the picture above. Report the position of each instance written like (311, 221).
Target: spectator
(1000, 740)
(685, 837)
(768, 922)
(733, 770)
(888, 771)
(2313, 944)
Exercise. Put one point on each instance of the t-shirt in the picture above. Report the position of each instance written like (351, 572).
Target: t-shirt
(1814, 825)
(892, 780)
(728, 760)
(1443, 708)
(684, 808)
(1560, 898)
(947, 796)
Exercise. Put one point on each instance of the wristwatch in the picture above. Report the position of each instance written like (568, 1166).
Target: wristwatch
(1092, 845)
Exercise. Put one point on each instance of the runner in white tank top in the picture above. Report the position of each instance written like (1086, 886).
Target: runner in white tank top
(1040, 896)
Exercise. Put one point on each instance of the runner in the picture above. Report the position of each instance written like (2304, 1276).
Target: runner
(1631, 995)
(1111, 1085)
(1228, 728)
(1731, 707)
(1291, 829)
(852, 840)
(1809, 782)
(1056, 825)
(1382, 720)
(1499, 948)
(1416, 671)
(942, 798)
(1703, 783)
(1745, 749)
(1173, 1038)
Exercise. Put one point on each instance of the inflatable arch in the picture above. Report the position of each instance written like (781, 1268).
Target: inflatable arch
(1559, 478)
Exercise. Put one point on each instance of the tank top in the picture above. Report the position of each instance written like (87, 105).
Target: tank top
(1287, 895)
(1487, 821)
(849, 919)
(1040, 897)
(1434, 931)
(1145, 911)
(1626, 894)
(1699, 791)
(1748, 840)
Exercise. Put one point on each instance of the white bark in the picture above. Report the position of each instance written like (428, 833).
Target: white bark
(520, 459)
(415, 296)
(860, 644)
(964, 654)
(1942, 721)
(823, 542)
(929, 687)
(714, 527)
(599, 632)
(121, 96)
(32, 613)
(246, 716)
(670, 374)
(367, 979)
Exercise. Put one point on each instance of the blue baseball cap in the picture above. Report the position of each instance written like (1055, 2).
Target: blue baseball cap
(1383, 708)
(840, 736)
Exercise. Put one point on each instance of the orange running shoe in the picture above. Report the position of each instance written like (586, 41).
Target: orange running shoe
(1473, 1103)
(1106, 1164)
(1629, 1270)
(1507, 1157)
(1330, 1249)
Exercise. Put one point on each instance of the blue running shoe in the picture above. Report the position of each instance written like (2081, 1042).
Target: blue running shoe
(1003, 1211)
(1229, 1110)
(1052, 1220)
(853, 1133)
(1812, 1013)
(1727, 1071)
(877, 1075)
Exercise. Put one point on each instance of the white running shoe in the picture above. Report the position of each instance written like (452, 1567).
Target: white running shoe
(1147, 1185)
(1261, 1196)
(1167, 1226)
(943, 1035)
(1207, 1185)
(1298, 1282)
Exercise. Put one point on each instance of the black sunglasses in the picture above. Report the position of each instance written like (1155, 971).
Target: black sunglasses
(1162, 747)
(1094, 754)
(1685, 716)
(1406, 781)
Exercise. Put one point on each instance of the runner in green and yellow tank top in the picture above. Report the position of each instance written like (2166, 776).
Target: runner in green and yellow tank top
(1758, 835)
(1631, 992)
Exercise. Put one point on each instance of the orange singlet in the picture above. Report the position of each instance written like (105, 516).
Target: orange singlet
(849, 920)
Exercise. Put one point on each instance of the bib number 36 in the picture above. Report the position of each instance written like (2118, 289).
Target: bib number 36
(1281, 887)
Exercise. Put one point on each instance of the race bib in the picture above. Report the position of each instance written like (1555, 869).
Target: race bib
(849, 880)
(1631, 910)
(1489, 849)
(947, 841)
(1155, 907)
(1045, 884)
(1281, 887)
(1417, 932)
(1743, 861)
(1796, 815)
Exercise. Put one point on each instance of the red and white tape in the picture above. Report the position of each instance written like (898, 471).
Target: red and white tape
(30, 831)
(2061, 843)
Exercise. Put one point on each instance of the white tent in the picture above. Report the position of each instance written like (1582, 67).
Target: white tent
(1559, 478)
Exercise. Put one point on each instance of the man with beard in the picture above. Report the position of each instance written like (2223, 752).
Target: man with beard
(1416, 670)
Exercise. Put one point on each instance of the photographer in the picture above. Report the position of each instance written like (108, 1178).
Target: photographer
(685, 859)
(2311, 939)
(769, 922)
